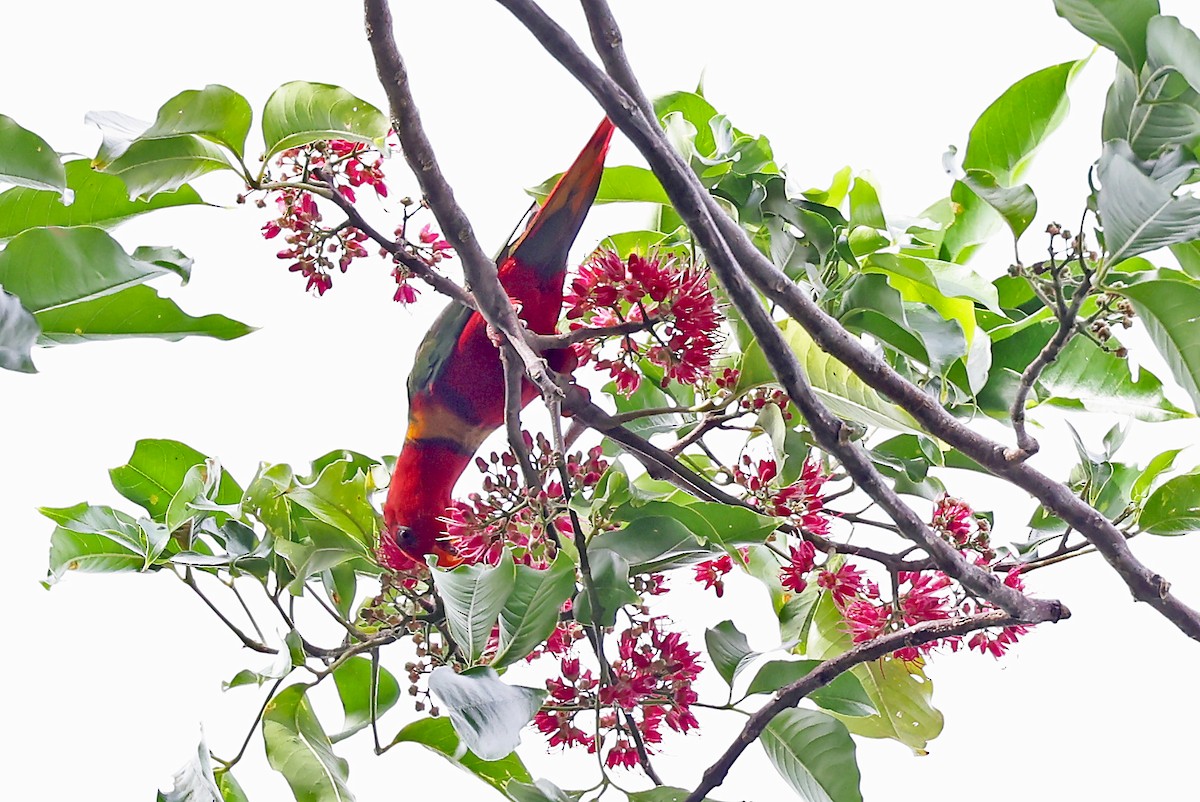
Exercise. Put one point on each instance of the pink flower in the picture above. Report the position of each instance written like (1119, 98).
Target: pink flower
(712, 572)
(843, 584)
(793, 576)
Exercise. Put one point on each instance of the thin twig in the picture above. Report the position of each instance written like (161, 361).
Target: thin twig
(247, 641)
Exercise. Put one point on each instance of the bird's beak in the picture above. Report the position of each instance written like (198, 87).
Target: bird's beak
(555, 225)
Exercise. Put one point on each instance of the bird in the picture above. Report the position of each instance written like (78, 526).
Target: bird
(456, 388)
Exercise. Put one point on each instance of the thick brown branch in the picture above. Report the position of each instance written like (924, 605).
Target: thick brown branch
(480, 271)
(790, 695)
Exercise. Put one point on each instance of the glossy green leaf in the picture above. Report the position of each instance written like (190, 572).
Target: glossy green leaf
(1119, 25)
(1166, 302)
(27, 160)
(912, 328)
(1017, 204)
(73, 551)
(340, 502)
(150, 166)
(437, 734)
(949, 279)
(720, 524)
(474, 595)
(49, 267)
(1170, 43)
(1002, 141)
(134, 312)
(140, 537)
(353, 680)
(653, 543)
(215, 113)
(1165, 112)
(531, 611)
(845, 694)
(155, 472)
(1160, 464)
(321, 548)
(300, 112)
(865, 209)
(815, 754)
(1188, 256)
(899, 690)
(620, 184)
(728, 650)
(194, 782)
(487, 713)
(542, 791)
(1174, 508)
(1140, 212)
(695, 110)
(610, 578)
(298, 748)
(1084, 375)
(843, 392)
(18, 332)
(231, 791)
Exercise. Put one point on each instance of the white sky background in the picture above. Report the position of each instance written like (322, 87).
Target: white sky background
(107, 678)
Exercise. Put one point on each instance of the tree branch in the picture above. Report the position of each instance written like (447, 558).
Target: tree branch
(480, 271)
(699, 210)
(790, 695)
(691, 202)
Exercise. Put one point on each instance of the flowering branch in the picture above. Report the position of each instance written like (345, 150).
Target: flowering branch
(790, 695)
(692, 202)
(703, 215)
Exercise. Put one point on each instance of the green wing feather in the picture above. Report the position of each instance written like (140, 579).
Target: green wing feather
(437, 346)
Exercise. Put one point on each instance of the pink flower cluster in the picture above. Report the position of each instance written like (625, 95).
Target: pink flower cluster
(800, 501)
(430, 248)
(508, 514)
(650, 680)
(313, 249)
(673, 297)
(932, 595)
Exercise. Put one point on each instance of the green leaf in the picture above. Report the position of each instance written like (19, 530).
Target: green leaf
(438, 735)
(1152, 118)
(843, 392)
(531, 611)
(156, 471)
(543, 791)
(1188, 256)
(1166, 302)
(620, 184)
(845, 694)
(194, 782)
(300, 112)
(1119, 25)
(1002, 141)
(1017, 205)
(298, 748)
(1140, 212)
(948, 279)
(1160, 464)
(27, 160)
(1174, 508)
(140, 537)
(74, 551)
(815, 754)
(474, 595)
(51, 267)
(610, 578)
(864, 206)
(1084, 375)
(728, 650)
(697, 111)
(231, 791)
(340, 502)
(18, 332)
(487, 713)
(899, 690)
(653, 543)
(137, 311)
(150, 166)
(321, 548)
(912, 328)
(1170, 44)
(215, 113)
(353, 680)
